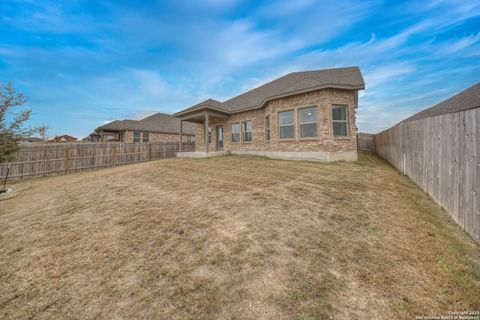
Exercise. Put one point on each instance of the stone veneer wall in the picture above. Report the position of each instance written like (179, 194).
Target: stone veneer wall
(325, 142)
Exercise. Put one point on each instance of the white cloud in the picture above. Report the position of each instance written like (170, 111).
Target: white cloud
(212, 49)
(52, 18)
(463, 43)
(149, 83)
(377, 76)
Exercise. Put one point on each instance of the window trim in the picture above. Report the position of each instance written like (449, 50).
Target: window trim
(239, 133)
(243, 132)
(267, 128)
(139, 136)
(300, 123)
(109, 137)
(143, 136)
(209, 137)
(280, 126)
(346, 121)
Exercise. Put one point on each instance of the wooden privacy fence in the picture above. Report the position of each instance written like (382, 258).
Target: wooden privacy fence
(442, 155)
(366, 142)
(60, 158)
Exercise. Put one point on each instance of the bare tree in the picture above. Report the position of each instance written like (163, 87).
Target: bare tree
(42, 131)
(12, 123)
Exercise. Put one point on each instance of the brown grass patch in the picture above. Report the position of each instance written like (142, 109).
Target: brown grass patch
(232, 238)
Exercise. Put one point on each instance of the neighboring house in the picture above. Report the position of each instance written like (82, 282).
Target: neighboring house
(304, 115)
(465, 100)
(159, 127)
(30, 140)
(64, 138)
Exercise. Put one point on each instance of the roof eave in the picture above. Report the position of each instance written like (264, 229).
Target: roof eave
(200, 108)
(143, 130)
(324, 86)
(346, 87)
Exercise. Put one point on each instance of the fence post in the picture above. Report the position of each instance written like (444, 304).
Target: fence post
(94, 156)
(67, 155)
(114, 154)
(6, 177)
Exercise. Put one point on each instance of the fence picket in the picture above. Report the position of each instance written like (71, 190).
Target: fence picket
(442, 155)
(61, 158)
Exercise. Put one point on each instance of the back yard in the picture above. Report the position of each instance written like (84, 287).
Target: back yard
(232, 238)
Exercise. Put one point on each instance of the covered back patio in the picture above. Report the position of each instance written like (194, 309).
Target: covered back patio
(210, 141)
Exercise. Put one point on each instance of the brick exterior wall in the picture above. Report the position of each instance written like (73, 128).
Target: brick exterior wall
(127, 136)
(325, 141)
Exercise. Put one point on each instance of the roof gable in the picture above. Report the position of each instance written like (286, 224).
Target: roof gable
(209, 103)
(292, 83)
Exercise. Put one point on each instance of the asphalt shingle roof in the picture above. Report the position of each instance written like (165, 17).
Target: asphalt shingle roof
(292, 83)
(467, 99)
(207, 103)
(158, 122)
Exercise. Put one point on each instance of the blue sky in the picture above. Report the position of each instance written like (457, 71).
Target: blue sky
(83, 63)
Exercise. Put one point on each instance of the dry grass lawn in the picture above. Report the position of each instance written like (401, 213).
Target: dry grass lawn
(232, 238)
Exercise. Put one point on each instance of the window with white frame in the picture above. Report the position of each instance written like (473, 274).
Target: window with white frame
(110, 137)
(247, 131)
(340, 123)
(209, 135)
(308, 122)
(146, 137)
(137, 136)
(235, 132)
(286, 125)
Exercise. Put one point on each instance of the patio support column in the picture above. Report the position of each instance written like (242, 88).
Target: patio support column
(206, 131)
(180, 146)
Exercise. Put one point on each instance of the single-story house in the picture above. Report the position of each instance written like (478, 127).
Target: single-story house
(465, 100)
(31, 140)
(160, 127)
(63, 138)
(307, 115)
